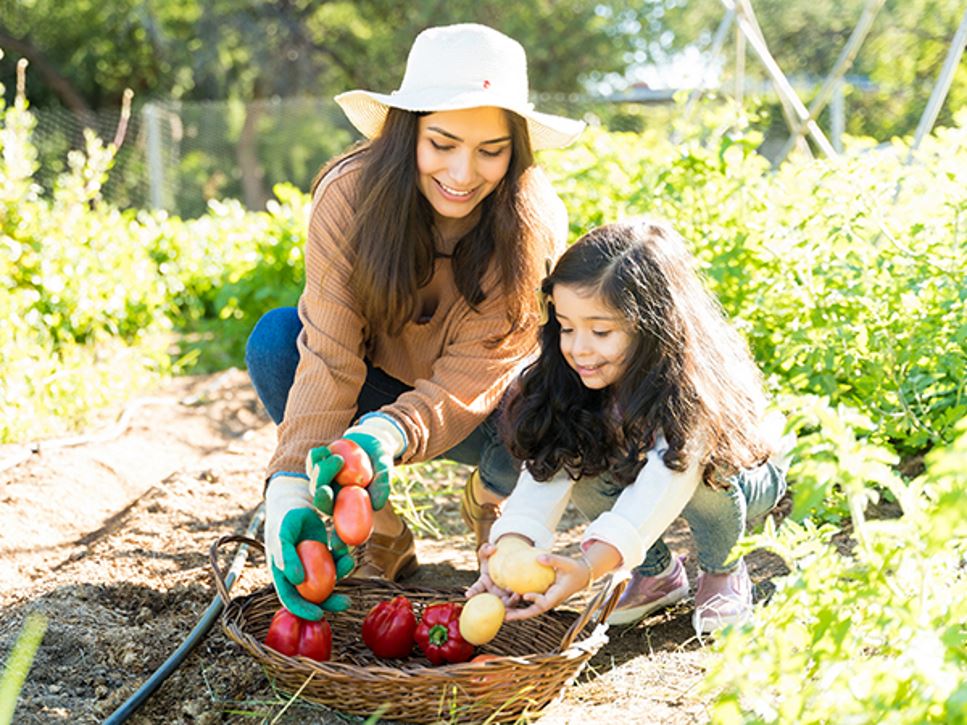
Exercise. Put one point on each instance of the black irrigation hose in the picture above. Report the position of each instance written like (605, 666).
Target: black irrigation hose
(194, 637)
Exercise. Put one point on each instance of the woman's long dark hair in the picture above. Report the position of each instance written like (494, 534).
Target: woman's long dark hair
(687, 372)
(394, 236)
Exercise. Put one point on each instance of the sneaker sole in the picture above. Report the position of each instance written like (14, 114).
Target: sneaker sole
(710, 625)
(636, 614)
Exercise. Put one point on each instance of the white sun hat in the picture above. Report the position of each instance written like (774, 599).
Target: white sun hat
(461, 66)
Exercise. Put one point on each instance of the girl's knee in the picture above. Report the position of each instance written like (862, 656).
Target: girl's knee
(763, 487)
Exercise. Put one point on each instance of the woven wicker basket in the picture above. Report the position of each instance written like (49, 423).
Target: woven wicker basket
(536, 658)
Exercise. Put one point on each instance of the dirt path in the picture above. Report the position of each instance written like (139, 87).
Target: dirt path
(109, 541)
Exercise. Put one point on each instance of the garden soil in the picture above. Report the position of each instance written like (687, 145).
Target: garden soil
(107, 536)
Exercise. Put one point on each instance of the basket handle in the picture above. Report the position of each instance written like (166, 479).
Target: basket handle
(220, 580)
(602, 604)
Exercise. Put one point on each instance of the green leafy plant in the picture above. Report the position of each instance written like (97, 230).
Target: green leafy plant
(88, 290)
(869, 632)
(18, 664)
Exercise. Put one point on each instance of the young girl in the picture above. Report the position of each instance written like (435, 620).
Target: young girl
(643, 405)
(424, 246)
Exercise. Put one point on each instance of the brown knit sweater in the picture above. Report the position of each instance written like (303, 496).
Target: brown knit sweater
(457, 380)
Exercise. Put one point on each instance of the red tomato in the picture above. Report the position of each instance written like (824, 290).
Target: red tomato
(320, 570)
(485, 679)
(357, 469)
(353, 515)
(291, 635)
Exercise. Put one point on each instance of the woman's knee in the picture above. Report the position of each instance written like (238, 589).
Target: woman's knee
(272, 356)
(499, 473)
(273, 339)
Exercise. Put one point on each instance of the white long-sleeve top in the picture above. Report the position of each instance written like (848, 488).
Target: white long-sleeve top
(640, 514)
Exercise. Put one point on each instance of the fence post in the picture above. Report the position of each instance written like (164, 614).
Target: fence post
(156, 171)
(837, 115)
(942, 87)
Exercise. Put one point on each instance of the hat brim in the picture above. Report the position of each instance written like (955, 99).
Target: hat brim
(367, 112)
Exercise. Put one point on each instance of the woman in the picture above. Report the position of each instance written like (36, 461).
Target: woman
(424, 250)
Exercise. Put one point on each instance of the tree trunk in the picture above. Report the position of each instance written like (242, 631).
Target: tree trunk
(253, 185)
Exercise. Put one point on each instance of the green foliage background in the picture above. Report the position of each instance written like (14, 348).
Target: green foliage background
(220, 65)
(847, 276)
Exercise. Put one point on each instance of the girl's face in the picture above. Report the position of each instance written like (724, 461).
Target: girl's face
(595, 338)
(461, 156)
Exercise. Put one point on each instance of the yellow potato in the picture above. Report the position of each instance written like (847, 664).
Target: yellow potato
(504, 547)
(518, 570)
(481, 618)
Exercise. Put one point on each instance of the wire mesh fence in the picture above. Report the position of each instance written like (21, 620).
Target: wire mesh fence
(178, 156)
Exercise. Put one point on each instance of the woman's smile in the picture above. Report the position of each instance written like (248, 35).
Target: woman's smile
(454, 194)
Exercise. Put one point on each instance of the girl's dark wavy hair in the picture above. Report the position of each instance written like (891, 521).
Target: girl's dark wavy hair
(688, 373)
(394, 234)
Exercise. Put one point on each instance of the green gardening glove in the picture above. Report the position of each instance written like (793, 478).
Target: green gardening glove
(382, 466)
(290, 519)
(384, 440)
(322, 465)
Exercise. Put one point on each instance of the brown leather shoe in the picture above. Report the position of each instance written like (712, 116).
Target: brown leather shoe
(387, 557)
(479, 517)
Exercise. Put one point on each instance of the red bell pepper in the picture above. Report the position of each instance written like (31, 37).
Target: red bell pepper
(388, 628)
(438, 634)
(291, 635)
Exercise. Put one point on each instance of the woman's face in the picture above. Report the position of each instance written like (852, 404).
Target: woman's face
(461, 156)
(595, 338)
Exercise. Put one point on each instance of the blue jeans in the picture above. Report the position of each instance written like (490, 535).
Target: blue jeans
(717, 518)
(271, 355)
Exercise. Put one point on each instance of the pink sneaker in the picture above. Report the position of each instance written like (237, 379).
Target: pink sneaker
(646, 594)
(722, 599)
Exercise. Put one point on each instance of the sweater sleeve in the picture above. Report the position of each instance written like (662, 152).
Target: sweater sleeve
(331, 368)
(646, 508)
(534, 509)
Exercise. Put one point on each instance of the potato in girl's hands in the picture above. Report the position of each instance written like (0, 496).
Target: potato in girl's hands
(514, 567)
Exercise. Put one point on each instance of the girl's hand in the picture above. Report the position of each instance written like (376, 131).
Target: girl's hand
(485, 584)
(573, 575)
